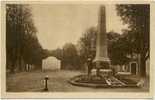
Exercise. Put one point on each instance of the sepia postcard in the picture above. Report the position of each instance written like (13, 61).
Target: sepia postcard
(77, 49)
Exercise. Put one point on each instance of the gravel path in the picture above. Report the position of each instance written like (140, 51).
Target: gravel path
(58, 82)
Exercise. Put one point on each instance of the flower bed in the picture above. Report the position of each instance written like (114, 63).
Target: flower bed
(88, 81)
(96, 81)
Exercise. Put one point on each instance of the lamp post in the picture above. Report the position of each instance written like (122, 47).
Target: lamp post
(46, 79)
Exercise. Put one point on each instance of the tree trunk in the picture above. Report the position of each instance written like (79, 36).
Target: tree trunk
(12, 69)
(20, 62)
(143, 66)
(143, 81)
(143, 50)
(19, 59)
(13, 60)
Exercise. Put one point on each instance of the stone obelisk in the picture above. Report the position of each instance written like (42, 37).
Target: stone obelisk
(101, 59)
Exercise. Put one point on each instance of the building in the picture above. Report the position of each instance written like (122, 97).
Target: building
(51, 63)
(133, 67)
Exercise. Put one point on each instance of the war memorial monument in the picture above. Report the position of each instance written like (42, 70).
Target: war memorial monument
(103, 76)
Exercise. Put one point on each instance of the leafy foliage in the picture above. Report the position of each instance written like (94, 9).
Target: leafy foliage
(58, 53)
(21, 39)
(87, 42)
(70, 58)
(68, 55)
(137, 16)
(117, 46)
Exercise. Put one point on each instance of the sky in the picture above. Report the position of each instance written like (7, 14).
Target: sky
(58, 24)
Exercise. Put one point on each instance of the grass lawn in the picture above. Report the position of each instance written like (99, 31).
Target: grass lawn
(58, 82)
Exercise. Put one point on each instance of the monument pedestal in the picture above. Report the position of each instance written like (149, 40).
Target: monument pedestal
(103, 68)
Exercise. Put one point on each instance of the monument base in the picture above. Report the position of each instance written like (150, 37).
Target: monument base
(102, 63)
(102, 72)
(101, 59)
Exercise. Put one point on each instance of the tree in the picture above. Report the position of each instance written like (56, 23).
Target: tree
(87, 44)
(32, 51)
(117, 48)
(137, 16)
(21, 39)
(116, 44)
(14, 34)
(58, 53)
(70, 57)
